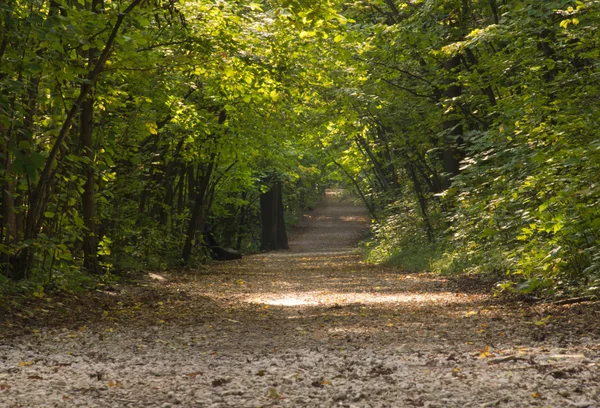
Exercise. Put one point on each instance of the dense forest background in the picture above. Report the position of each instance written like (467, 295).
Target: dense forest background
(469, 128)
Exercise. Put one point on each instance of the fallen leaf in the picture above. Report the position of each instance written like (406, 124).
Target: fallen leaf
(194, 374)
(543, 321)
(486, 353)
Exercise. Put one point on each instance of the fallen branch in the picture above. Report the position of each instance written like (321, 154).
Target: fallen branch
(571, 301)
(505, 359)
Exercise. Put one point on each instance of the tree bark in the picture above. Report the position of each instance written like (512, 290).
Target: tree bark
(198, 212)
(273, 235)
(422, 200)
(90, 234)
(452, 126)
(8, 225)
(201, 206)
(379, 172)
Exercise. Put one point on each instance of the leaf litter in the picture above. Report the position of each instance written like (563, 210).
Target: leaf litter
(309, 327)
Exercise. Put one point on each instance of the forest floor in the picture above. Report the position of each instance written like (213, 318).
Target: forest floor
(312, 326)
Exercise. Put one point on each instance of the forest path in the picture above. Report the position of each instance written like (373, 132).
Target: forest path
(312, 326)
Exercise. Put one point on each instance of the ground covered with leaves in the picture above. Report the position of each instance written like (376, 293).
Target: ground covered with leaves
(309, 327)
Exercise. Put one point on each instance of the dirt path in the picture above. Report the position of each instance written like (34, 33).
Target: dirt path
(308, 327)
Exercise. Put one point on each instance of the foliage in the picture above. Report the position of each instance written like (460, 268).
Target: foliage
(128, 125)
(487, 109)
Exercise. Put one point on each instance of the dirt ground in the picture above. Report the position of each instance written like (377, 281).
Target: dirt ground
(312, 326)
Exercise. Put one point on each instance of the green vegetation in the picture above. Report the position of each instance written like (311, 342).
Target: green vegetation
(485, 110)
(467, 127)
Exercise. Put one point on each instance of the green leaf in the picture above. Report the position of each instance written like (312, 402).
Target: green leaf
(488, 232)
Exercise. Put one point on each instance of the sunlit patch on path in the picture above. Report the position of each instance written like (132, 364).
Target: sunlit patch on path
(344, 298)
(287, 301)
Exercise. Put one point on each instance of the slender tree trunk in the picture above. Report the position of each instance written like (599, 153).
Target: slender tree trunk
(452, 126)
(199, 209)
(489, 92)
(86, 132)
(240, 222)
(8, 233)
(495, 11)
(90, 234)
(282, 239)
(376, 164)
(421, 199)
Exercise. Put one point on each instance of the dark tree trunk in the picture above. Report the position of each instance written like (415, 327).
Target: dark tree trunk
(86, 131)
(452, 126)
(8, 223)
(90, 235)
(379, 172)
(198, 211)
(274, 235)
(282, 239)
(422, 200)
(240, 222)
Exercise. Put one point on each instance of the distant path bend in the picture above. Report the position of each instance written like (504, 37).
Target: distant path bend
(337, 223)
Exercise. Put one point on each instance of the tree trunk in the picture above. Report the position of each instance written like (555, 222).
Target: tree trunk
(8, 226)
(281, 235)
(198, 211)
(240, 222)
(86, 131)
(273, 235)
(379, 172)
(90, 234)
(422, 200)
(452, 126)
